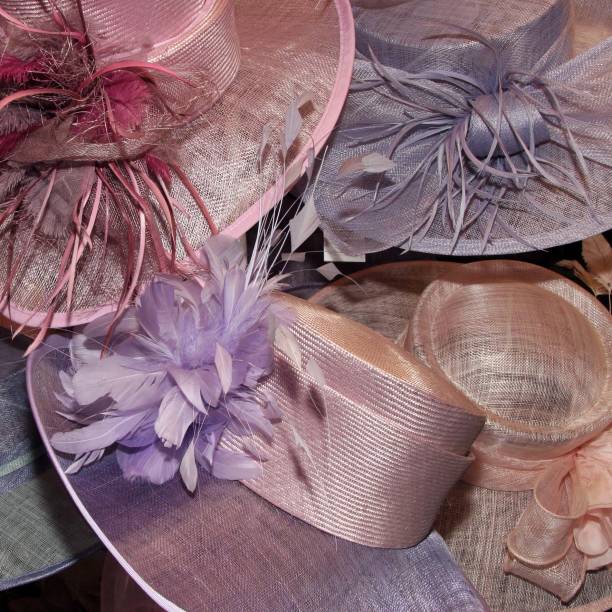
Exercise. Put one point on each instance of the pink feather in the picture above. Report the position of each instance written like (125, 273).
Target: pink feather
(17, 71)
(159, 168)
(128, 95)
(8, 142)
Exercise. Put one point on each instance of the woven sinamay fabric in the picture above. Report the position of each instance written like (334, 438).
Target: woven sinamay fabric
(425, 579)
(41, 531)
(354, 418)
(535, 351)
(475, 520)
(251, 62)
(242, 553)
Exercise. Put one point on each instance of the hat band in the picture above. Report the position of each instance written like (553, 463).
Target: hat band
(562, 533)
(360, 453)
(564, 530)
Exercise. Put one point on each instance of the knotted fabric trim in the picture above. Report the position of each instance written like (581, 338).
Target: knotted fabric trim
(175, 82)
(566, 530)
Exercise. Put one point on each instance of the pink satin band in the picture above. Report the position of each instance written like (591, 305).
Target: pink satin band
(370, 442)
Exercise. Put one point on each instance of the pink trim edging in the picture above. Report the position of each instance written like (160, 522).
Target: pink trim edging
(323, 130)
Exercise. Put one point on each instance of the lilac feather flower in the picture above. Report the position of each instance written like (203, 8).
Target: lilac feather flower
(182, 369)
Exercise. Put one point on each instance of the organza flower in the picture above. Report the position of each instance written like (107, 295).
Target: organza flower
(570, 516)
(593, 530)
(182, 369)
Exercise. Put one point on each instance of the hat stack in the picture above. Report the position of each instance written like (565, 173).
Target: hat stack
(417, 436)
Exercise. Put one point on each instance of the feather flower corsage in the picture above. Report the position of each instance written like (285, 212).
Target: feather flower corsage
(180, 368)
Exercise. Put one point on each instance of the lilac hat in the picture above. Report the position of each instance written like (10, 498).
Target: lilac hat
(130, 132)
(472, 128)
(344, 445)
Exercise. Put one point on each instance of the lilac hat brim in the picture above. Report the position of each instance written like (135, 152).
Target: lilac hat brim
(419, 48)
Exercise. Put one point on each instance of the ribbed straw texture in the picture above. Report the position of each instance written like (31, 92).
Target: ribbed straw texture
(115, 25)
(368, 455)
(475, 521)
(384, 440)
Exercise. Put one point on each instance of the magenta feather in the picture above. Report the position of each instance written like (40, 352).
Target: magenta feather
(16, 71)
(56, 98)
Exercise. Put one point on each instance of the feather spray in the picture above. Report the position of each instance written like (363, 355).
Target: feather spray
(183, 365)
(474, 140)
(183, 368)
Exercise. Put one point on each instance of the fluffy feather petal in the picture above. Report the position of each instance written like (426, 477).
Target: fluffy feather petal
(190, 383)
(155, 463)
(175, 417)
(235, 466)
(189, 469)
(223, 363)
(96, 436)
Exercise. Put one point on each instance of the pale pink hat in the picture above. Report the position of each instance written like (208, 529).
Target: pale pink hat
(236, 96)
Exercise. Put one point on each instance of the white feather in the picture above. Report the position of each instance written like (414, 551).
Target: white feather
(329, 271)
(373, 163)
(287, 343)
(304, 224)
(300, 443)
(189, 469)
(293, 122)
(223, 363)
(313, 369)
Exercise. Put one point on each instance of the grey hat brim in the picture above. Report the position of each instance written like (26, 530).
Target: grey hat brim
(41, 531)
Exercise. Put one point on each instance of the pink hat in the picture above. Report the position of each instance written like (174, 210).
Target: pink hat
(130, 132)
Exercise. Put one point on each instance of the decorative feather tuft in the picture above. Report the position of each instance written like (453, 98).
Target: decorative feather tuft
(15, 71)
(460, 146)
(183, 368)
(159, 168)
(120, 111)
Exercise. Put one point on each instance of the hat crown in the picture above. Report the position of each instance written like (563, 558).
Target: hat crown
(521, 351)
(117, 26)
(500, 122)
